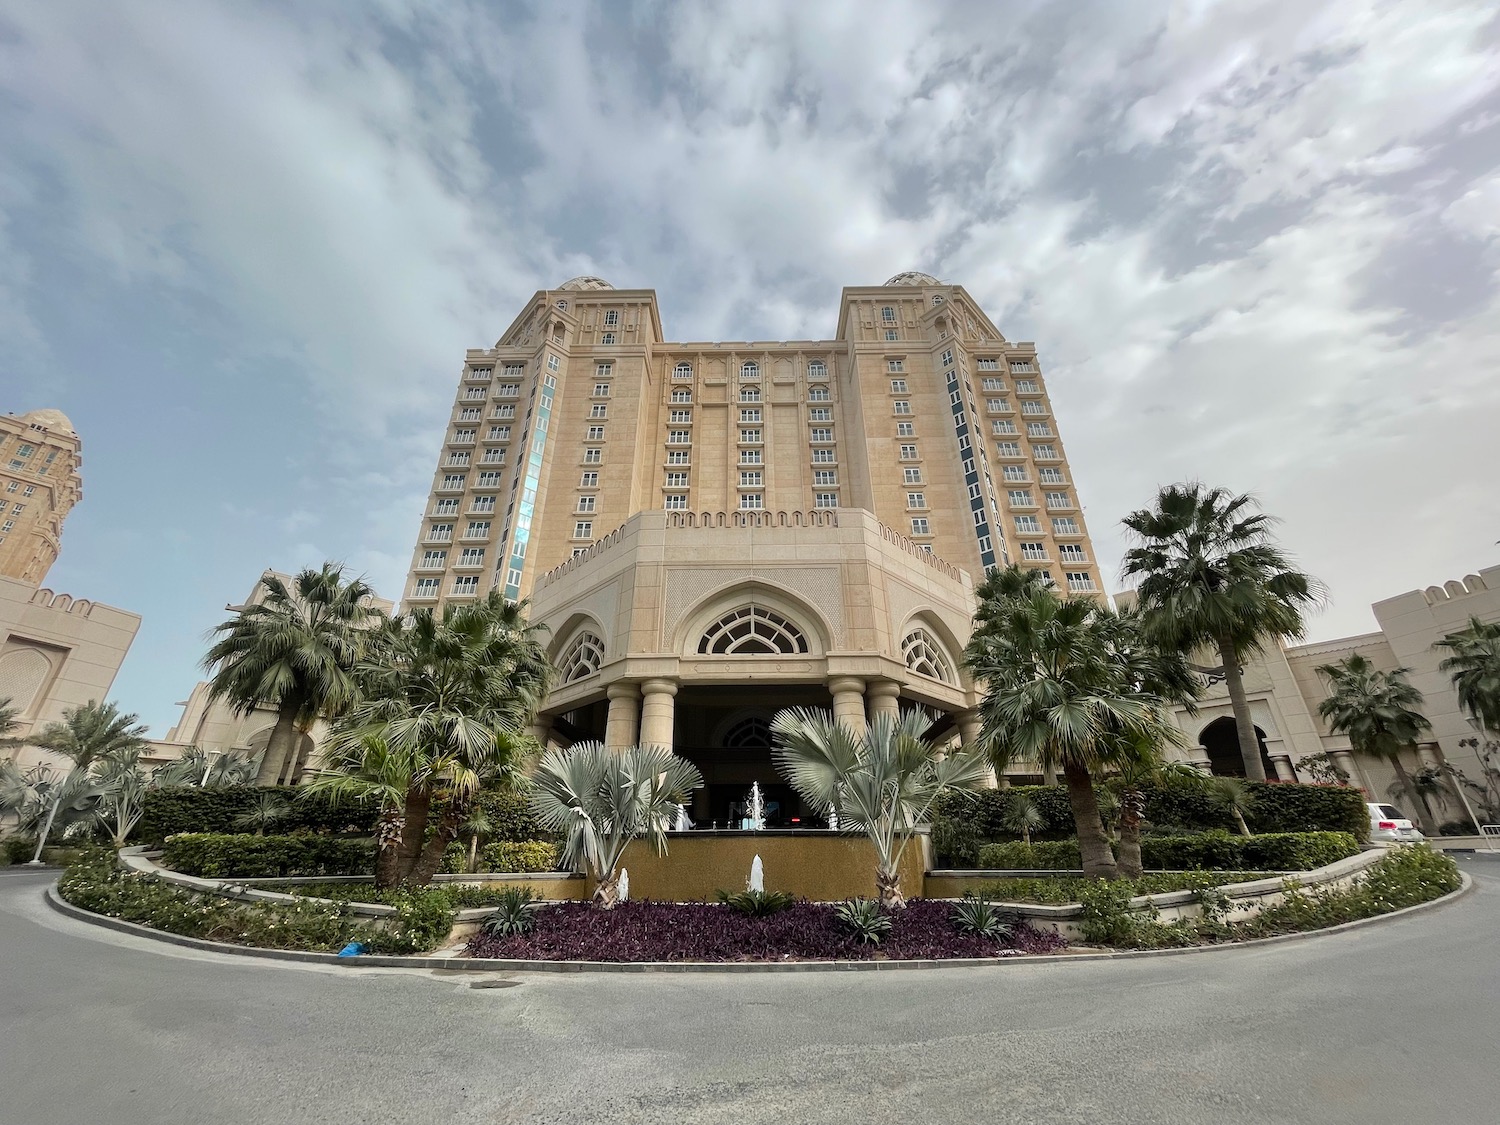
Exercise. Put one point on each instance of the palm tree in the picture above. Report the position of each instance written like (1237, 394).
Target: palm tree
(121, 799)
(1062, 688)
(599, 800)
(881, 781)
(1378, 711)
(8, 723)
(265, 811)
(1233, 796)
(444, 704)
(207, 769)
(294, 651)
(1475, 668)
(92, 734)
(1210, 573)
(1021, 816)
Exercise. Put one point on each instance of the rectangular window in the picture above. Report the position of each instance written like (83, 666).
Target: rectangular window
(898, 386)
(552, 363)
(817, 370)
(1052, 476)
(514, 370)
(1027, 525)
(440, 532)
(12, 486)
(989, 365)
(1065, 525)
(601, 390)
(1033, 407)
(997, 405)
(596, 433)
(679, 437)
(750, 437)
(905, 429)
(819, 414)
(675, 500)
(822, 457)
(677, 480)
(608, 338)
(677, 457)
(1027, 387)
(901, 406)
(477, 529)
(919, 526)
(916, 500)
(752, 501)
(434, 560)
(1080, 582)
(480, 372)
(992, 384)
(750, 479)
(599, 410)
(507, 390)
(585, 503)
(463, 435)
(457, 459)
(426, 587)
(493, 457)
(484, 504)
(489, 479)
(466, 584)
(1038, 429)
(469, 414)
(948, 357)
(612, 318)
(602, 371)
(825, 476)
(454, 480)
(895, 365)
(751, 394)
(1020, 498)
(682, 394)
(749, 457)
(1014, 472)
(891, 335)
(583, 529)
(888, 315)
(1047, 452)
(908, 453)
(1071, 553)
(589, 480)
(1002, 426)
(592, 456)
(750, 415)
(498, 433)
(912, 476)
(471, 556)
(822, 434)
(818, 394)
(505, 410)
(1058, 500)
(825, 499)
(446, 508)
(1033, 550)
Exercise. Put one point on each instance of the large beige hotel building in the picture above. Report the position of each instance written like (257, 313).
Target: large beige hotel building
(714, 531)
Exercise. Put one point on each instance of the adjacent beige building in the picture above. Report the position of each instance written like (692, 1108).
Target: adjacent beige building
(713, 531)
(1285, 689)
(40, 459)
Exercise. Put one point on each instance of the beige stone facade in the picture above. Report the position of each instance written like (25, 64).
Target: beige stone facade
(40, 459)
(713, 531)
(1285, 689)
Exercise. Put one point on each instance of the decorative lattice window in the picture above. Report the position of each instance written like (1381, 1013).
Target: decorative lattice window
(923, 654)
(753, 631)
(582, 659)
(753, 733)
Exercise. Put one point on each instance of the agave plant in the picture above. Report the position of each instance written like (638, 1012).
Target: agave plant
(599, 800)
(865, 918)
(974, 914)
(512, 915)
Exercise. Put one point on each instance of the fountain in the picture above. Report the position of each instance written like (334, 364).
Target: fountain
(681, 822)
(757, 881)
(833, 819)
(756, 809)
(624, 885)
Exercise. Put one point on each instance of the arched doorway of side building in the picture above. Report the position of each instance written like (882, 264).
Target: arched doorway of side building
(1222, 741)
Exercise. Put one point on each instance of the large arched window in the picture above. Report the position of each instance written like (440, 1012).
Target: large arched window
(753, 733)
(683, 371)
(752, 631)
(924, 655)
(750, 370)
(817, 370)
(582, 658)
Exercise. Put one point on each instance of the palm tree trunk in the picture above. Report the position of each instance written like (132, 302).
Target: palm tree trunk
(1098, 860)
(1239, 818)
(1424, 814)
(888, 884)
(473, 851)
(413, 831)
(1243, 726)
(432, 853)
(283, 741)
(388, 831)
(1130, 834)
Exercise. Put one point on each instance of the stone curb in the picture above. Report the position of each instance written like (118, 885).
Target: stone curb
(483, 964)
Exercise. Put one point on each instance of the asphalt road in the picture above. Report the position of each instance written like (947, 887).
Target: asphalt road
(1390, 1023)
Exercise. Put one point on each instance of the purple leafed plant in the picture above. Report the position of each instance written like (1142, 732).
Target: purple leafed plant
(805, 931)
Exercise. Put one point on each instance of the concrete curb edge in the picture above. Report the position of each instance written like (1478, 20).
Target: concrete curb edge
(481, 964)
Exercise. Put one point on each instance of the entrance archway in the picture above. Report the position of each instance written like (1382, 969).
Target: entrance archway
(1222, 741)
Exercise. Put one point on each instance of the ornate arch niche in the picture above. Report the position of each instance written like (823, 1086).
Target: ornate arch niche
(749, 619)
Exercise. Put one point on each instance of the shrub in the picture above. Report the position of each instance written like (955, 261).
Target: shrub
(979, 916)
(512, 914)
(508, 809)
(1058, 890)
(1281, 851)
(1106, 917)
(756, 904)
(1282, 807)
(19, 849)
(520, 856)
(211, 855)
(189, 808)
(865, 919)
(1045, 855)
(1404, 877)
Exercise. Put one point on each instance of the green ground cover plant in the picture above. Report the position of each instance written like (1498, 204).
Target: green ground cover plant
(1063, 889)
(458, 897)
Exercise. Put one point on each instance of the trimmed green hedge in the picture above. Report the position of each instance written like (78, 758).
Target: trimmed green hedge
(1309, 808)
(188, 808)
(213, 855)
(1209, 851)
(506, 857)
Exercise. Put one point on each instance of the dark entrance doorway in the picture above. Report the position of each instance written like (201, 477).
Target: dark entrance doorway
(1222, 741)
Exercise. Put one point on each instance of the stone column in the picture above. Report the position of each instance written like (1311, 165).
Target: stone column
(623, 724)
(656, 712)
(969, 725)
(1344, 759)
(849, 702)
(1427, 756)
(884, 697)
(541, 730)
(1284, 770)
(1198, 759)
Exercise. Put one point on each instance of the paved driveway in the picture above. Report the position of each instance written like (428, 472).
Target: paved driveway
(1392, 1023)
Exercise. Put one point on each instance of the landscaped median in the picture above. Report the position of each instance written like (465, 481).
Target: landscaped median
(1006, 915)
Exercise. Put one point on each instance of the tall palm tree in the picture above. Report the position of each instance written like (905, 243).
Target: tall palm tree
(1379, 712)
(8, 723)
(1061, 689)
(94, 734)
(1475, 668)
(599, 800)
(294, 651)
(1211, 574)
(444, 706)
(881, 781)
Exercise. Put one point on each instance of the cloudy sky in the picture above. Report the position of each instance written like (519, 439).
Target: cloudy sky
(244, 246)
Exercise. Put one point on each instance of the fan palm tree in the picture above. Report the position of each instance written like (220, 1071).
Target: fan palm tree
(93, 734)
(294, 651)
(1233, 796)
(1210, 574)
(1475, 669)
(266, 810)
(599, 800)
(1021, 816)
(444, 704)
(121, 799)
(207, 769)
(1062, 688)
(1379, 712)
(881, 781)
(8, 723)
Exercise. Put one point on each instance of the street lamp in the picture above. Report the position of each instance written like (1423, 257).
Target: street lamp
(208, 764)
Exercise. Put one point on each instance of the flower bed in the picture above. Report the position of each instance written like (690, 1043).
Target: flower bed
(805, 931)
